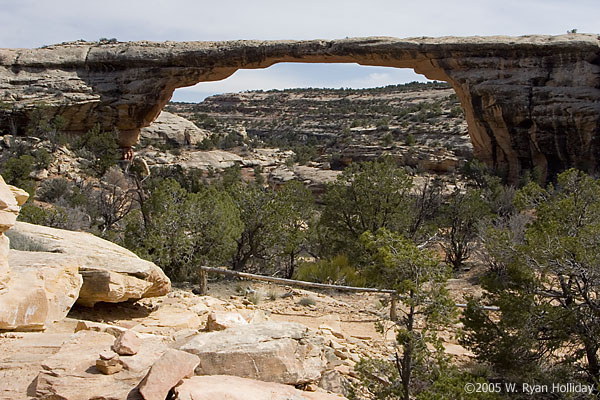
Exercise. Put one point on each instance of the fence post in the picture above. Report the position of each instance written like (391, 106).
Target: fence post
(203, 283)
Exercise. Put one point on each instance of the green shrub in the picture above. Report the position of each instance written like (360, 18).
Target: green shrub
(53, 189)
(19, 241)
(387, 139)
(335, 271)
(255, 297)
(43, 159)
(307, 301)
(451, 385)
(179, 230)
(100, 148)
(54, 217)
(17, 170)
(456, 111)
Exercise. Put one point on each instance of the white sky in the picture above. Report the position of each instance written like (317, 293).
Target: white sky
(33, 23)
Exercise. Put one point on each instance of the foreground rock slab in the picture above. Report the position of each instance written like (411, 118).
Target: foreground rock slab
(110, 272)
(236, 388)
(282, 352)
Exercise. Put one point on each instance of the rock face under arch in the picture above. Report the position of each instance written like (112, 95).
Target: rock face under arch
(530, 101)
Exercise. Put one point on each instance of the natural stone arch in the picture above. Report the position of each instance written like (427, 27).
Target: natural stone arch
(531, 101)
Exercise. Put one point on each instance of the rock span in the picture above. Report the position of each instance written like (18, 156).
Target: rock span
(530, 101)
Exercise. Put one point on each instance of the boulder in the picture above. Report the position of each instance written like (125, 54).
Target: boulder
(71, 373)
(282, 352)
(218, 321)
(127, 344)
(11, 198)
(167, 372)
(236, 388)
(33, 293)
(109, 363)
(110, 287)
(334, 381)
(110, 272)
(172, 129)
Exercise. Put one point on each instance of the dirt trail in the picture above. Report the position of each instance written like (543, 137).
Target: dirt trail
(354, 315)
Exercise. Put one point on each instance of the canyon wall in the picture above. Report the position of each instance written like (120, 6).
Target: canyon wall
(530, 101)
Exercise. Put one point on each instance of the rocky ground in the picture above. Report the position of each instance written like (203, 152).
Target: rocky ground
(341, 327)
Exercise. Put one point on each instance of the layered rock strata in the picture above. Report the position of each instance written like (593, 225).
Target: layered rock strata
(530, 101)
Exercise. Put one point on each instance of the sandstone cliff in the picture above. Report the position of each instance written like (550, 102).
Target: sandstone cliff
(531, 101)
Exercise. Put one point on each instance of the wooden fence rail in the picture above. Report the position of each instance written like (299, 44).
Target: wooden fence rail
(293, 282)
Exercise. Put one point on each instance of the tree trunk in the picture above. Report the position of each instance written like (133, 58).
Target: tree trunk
(393, 313)
(292, 267)
(238, 263)
(141, 200)
(591, 352)
(408, 349)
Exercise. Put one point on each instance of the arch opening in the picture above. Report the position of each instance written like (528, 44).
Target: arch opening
(331, 115)
(288, 75)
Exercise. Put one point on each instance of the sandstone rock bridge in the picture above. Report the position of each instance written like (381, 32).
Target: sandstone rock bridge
(530, 101)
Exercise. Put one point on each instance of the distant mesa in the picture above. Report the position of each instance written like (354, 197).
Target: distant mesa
(529, 101)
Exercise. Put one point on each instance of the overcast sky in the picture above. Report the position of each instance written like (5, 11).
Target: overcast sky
(33, 23)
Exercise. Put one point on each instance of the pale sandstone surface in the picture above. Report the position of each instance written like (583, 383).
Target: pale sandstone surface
(217, 159)
(69, 362)
(11, 200)
(21, 357)
(235, 388)
(41, 290)
(33, 293)
(530, 101)
(110, 272)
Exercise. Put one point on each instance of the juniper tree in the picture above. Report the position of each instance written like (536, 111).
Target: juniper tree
(418, 277)
(546, 282)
